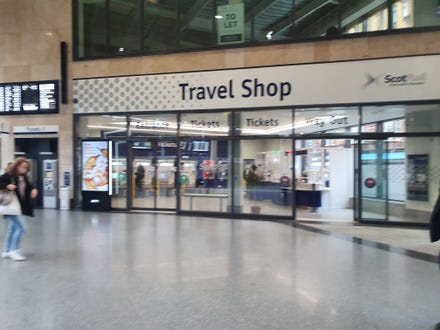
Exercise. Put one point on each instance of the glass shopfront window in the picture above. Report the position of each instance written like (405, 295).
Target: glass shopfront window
(401, 118)
(104, 127)
(266, 164)
(328, 120)
(310, 179)
(325, 179)
(205, 175)
(398, 174)
(205, 124)
(266, 176)
(334, 163)
(267, 122)
(399, 178)
(153, 125)
(205, 162)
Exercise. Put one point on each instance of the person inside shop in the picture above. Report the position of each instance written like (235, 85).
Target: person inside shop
(251, 175)
(176, 172)
(15, 179)
(303, 178)
(139, 179)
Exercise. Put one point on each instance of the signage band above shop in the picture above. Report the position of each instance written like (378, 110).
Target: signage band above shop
(381, 80)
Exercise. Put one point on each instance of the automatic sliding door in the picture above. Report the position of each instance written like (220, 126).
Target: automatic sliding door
(154, 172)
(153, 159)
(119, 175)
(166, 171)
(144, 174)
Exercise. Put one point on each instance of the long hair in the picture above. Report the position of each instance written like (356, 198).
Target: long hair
(12, 169)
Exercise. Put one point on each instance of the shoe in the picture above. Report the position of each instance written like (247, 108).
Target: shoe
(5, 254)
(16, 255)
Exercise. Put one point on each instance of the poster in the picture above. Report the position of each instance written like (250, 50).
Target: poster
(95, 169)
(230, 24)
(418, 177)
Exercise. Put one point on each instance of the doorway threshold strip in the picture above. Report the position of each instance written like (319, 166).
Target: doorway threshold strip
(152, 211)
(362, 241)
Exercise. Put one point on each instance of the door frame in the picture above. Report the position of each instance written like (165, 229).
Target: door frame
(131, 170)
(356, 169)
(35, 153)
(385, 169)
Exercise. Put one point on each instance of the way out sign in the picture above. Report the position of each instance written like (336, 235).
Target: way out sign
(230, 24)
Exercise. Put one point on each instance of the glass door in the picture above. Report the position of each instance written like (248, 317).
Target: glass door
(120, 184)
(154, 173)
(374, 179)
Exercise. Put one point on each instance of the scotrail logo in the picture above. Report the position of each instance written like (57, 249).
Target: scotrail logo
(405, 79)
(393, 80)
(371, 80)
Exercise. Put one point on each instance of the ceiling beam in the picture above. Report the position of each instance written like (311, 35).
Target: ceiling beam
(259, 8)
(349, 13)
(193, 12)
(300, 13)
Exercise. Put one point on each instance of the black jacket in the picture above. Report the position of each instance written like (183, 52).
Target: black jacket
(27, 204)
(434, 225)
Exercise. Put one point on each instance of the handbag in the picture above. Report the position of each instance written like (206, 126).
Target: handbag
(9, 203)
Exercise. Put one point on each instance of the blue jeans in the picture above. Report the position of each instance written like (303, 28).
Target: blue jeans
(15, 232)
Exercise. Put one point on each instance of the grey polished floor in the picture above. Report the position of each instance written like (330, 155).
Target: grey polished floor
(90, 270)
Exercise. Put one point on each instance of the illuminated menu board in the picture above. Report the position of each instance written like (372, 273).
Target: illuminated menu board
(29, 97)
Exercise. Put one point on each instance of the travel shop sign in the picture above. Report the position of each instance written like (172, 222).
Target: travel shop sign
(249, 88)
(352, 82)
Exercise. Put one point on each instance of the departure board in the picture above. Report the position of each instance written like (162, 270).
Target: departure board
(29, 97)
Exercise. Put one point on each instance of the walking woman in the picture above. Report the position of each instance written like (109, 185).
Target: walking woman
(434, 230)
(15, 179)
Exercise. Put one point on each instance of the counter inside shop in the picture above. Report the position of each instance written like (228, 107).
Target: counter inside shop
(306, 194)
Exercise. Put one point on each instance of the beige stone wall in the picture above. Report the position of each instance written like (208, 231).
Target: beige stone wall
(30, 36)
(296, 53)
